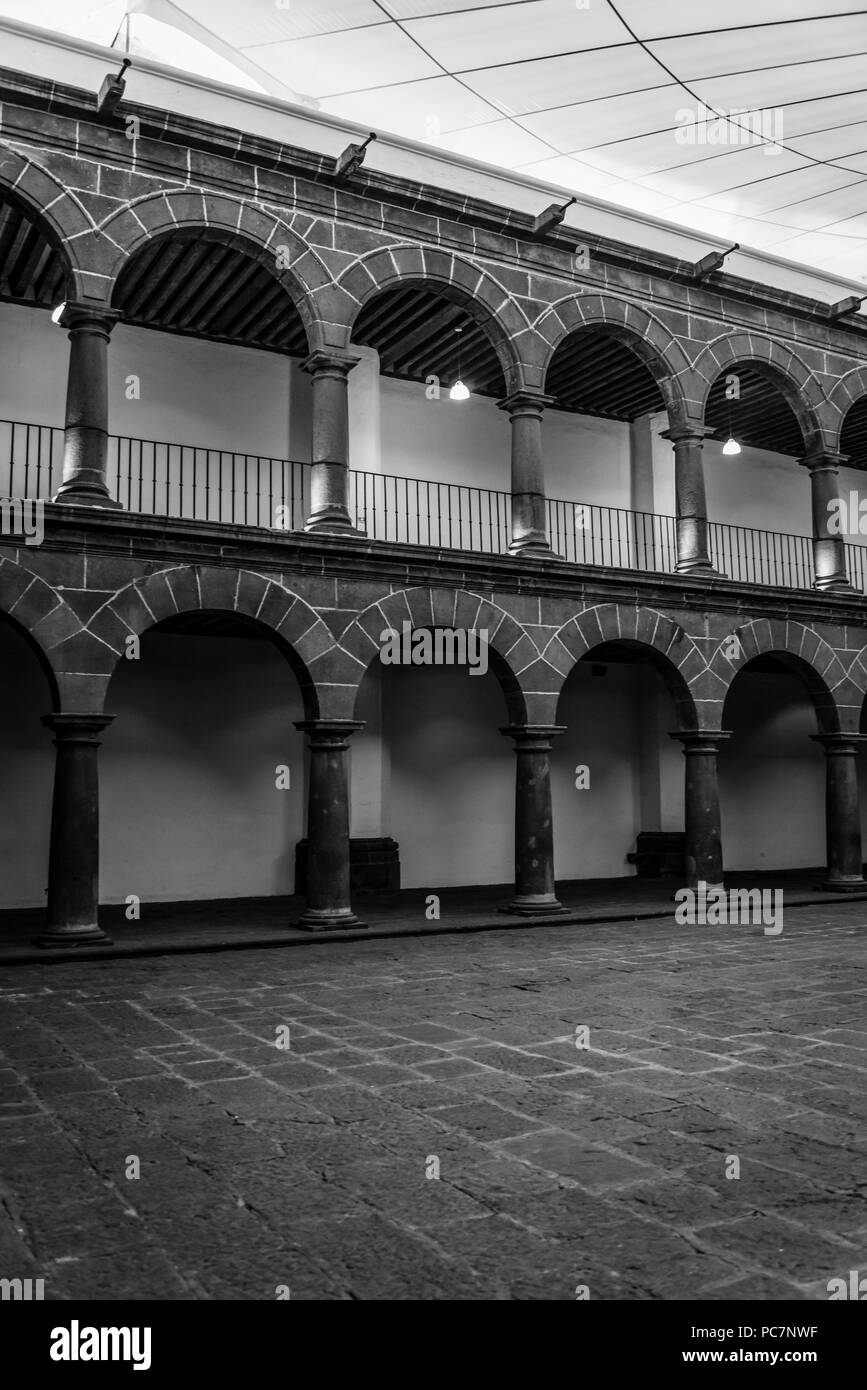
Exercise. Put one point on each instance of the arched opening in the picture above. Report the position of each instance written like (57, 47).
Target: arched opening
(27, 692)
(853, 494)
(853, 437)
(759, 498)
(608, 474)
(431, 770)
(34, 280)
(209, 410)
(193, 802)
(617, 777)
(428, 468)
(771, 774)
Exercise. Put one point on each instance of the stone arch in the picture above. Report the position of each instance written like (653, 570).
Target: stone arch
(833, 692)
(484, 298)
(846, 392)
(26, 603)
(794, 379)
(283, 615)
(642, 332)
(58, 212)
(41, 615)
(856, 693)
(512, 653)
(255, 231)
(672, 651)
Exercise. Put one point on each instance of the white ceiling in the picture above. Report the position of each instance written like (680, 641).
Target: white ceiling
(596, 99)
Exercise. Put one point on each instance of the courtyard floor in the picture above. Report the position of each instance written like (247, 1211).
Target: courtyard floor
(434, 1129)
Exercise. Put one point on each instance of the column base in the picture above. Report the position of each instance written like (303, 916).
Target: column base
(71, 936)
(535, 541)
(526, 905)
(320, 919)
(849, 884)
(835, 584)
(335, 522)
(86, 497)
(693, 888)
(703, 568)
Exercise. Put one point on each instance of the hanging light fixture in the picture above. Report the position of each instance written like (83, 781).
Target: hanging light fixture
(731, 446)
(459, 391)
(57, 313)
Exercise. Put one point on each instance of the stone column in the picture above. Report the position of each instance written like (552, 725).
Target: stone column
(85, 446)
(73, 864)
(328, 907)
(329, 482)
(693, 556)
(534, 822)
(829, 548)
(701, 816)
(529, 505)
(842, 812)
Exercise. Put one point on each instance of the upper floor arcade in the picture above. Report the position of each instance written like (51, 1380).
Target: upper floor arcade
(255, 338)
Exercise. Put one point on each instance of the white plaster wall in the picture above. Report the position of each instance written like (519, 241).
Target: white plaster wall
(607, 719)
(369, 760)
(757, 488)
(192, 392)
(34, 353)
(196, 392)
(453, 441)
(451, 777)
(188, 801)
(771, 777)
(586, 460)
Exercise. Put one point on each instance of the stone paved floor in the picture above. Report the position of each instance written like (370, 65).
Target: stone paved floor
(312, 1167)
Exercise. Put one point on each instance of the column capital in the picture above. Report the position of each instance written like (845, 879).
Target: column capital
(80, 317)
(839, 742)
(823, 460)
(77, 728)
(329, 733)
(526, 401)
(689, 431)
(701, 740)
(536, 737)
(330, 362)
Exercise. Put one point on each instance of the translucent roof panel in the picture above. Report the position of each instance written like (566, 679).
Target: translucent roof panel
(744, 121)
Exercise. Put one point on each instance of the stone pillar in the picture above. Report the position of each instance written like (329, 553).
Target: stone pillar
(85, 448)
(529, 505)
(693, 556)
(842, 812)
(73, 865)
(829, 548)
(703, 856)
(328, 907)
(534, 822)
(329, 482)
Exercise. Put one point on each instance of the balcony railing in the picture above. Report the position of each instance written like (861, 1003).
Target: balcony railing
(183, 480)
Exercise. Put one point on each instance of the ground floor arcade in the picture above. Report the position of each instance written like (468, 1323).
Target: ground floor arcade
(240, 720)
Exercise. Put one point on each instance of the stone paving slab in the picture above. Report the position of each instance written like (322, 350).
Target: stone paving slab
(432, 1130)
